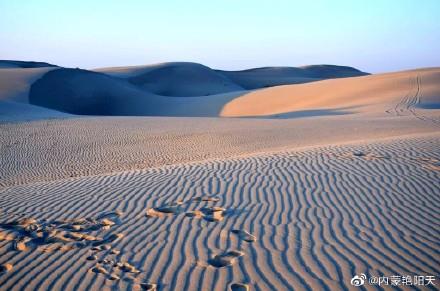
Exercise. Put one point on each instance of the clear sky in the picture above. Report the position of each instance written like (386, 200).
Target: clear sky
(373, 35)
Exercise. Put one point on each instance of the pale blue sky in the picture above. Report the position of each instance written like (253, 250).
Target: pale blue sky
(375, 36)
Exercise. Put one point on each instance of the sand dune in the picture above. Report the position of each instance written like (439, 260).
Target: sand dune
(393, 93)
(84, 92)
(176, 79)
(275, 76)
(320, 215)
(23, 64)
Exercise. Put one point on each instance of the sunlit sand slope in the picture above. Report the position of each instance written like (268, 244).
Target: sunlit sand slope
(400, 93)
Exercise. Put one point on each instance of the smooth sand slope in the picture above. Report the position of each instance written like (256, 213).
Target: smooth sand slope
(393, 93)
(303, 219)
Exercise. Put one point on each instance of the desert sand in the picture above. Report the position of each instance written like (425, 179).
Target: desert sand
(180, 177)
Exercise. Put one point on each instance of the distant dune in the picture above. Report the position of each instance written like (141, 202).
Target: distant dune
(176, 79)
(189, 89)
(275, 76)
(84, 92)
(23, 64)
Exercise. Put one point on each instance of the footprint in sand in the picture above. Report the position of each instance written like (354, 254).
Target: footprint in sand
(99, 270)
(126, 267)
(195, 214)
(113, 214)
(101, 248)
(20, 244)
(92, 258)
(163, 210)
(107, 262)
(226, 259)
(5, 268)
(358, 154)
(115, 252)
(169, 209)
(206, 199)
(213, 213)
(244, 235)
(148, 286)
(108, 239)
(113, 277)
(239, 287)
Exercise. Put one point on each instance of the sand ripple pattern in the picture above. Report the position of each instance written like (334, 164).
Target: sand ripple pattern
(320, 216)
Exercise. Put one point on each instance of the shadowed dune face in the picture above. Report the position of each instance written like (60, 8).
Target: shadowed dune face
(86, 93)
(90, 93)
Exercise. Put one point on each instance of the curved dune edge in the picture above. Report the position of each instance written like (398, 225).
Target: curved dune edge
(366, 94)
(15, 83)
(319, 216)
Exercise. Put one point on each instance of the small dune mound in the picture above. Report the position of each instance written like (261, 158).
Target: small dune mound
(206, 199)
(239, 287)
(244, 235)
(226, 259)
